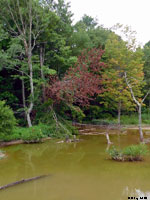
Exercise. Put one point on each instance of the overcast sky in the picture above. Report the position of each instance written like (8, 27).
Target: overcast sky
(135, 13)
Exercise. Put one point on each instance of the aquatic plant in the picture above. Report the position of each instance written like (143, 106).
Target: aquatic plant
(130, 153)
(115, 154)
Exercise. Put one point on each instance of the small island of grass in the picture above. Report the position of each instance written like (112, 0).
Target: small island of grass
(130, 153)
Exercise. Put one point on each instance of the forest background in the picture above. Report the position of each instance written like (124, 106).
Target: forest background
(54, 72)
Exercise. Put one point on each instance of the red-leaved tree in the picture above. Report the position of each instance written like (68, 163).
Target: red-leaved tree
(81, 82)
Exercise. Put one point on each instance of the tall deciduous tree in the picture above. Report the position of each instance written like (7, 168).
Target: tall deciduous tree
(22, 20)
(80, 83)
(138, 103)
(130, 65)
(87, 34)
(120, 58)
(115, 55)
(146, 68)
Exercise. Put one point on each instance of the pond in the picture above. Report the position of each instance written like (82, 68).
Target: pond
(78, 171)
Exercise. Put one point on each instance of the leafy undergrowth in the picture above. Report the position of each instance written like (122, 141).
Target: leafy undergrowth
(125, 120)
(130, 153)
(36, 133)
(133, 119)
(104, 122)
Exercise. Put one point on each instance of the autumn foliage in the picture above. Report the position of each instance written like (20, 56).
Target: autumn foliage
(81, 82)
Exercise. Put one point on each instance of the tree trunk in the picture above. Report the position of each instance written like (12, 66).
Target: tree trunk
(140, 123)
(29, 119)
(31, 90)
(28, 50)
(29, 54)
(42, 74)
(23, 97)
(119, 112)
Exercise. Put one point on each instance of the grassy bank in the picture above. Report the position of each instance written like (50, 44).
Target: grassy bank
(125, 120)
(133, 119)
(37, 132)
(40, 131)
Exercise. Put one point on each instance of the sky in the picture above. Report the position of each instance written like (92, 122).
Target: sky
(134, 13)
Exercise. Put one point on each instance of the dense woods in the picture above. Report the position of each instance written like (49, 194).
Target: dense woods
(53, 72)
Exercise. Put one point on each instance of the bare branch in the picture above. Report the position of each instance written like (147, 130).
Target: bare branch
(35, 38)
(10, 29)
(146, 96)
(12, 15)
(130, 88)
(21, 18)
(128, 84)
(18, 71)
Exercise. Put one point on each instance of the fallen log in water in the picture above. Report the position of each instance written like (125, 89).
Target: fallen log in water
(22, 181)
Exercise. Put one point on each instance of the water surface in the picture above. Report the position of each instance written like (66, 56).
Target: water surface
(79, 171)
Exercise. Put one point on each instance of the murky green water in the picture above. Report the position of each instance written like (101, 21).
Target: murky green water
(79, 171)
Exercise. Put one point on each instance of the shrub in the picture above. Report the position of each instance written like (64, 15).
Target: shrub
(50, 127)
(7, 119)
(130, 153)
(77, 113)
(7, 138)
(29, 135)
(32, 135)
(36, 133)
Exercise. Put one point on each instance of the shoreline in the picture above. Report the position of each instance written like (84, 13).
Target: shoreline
(109, 127)
(113, 126)
(15, 142)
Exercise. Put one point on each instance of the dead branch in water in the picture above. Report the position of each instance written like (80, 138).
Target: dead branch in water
(22, 181)
(108, 139)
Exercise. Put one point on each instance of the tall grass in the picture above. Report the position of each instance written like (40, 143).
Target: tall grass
(130, 153)
(37, 132)
(133, 119)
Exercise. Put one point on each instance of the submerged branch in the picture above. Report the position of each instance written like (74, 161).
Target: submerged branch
(22, 181)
